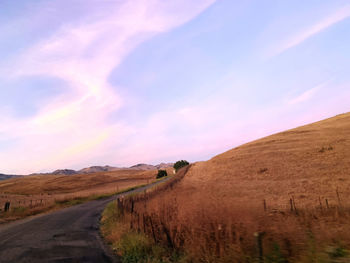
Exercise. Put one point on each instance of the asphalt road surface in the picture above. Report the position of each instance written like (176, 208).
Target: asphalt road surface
(67, 235)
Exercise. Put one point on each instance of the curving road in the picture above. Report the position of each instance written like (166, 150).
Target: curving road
(67, 235)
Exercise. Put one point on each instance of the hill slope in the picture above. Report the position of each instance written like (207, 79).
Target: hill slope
(8, 176)
(148, 167)
(60, 184)
(217, 212)
(96, 169)
(306, 162)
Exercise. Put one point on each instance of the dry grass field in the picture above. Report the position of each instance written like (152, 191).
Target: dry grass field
(307, 162)
(62, 184)
(34, 194)
(289, 190)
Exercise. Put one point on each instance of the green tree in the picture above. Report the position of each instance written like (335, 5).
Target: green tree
(161, 173)
(180, 164)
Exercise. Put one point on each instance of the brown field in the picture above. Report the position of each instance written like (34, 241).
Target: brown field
(33, 194)
(307, 162)
(301, 175)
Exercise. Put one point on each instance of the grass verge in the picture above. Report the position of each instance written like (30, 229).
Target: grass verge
(133, 246)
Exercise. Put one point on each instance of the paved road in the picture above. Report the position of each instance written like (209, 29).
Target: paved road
(68, 235)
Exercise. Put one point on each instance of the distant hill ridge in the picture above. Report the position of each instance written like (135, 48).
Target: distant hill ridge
(64, 171)
(143, 166)
(96, 169)
(140, 166)
(107, 168)
(8, 176)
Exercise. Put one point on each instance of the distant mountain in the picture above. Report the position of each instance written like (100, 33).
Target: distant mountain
(147, 167)
(8, 176)
(64, 172)
(164, 165)
(143, 166)
(95, 169)
(140, 166)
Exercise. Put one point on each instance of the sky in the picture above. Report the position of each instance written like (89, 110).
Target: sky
(121, 82)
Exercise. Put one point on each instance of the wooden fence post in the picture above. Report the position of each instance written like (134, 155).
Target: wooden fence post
(291, 204)
(144, 222)
(295, 208)
(340, 206)
(168, 236)
(132, 206)
(7, 206)
(327, 204)
(153, 232)
(259, 245)
(138, 223)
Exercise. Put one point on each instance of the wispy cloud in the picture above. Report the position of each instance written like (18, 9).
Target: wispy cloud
(307, 95)
(72, 127)
(308, 32)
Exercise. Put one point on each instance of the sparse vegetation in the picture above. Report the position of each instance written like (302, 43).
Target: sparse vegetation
(179, 164)
(161, 173)
(262, 170)
(323, 149)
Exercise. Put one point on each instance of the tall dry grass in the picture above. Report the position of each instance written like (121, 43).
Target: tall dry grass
(283, 198)
(207, 232)
(290, 189)
(36, 194)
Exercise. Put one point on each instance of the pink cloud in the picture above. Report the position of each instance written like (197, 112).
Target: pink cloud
(308, 32)
(72, 127)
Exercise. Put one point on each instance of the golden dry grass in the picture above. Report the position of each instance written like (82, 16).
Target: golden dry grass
(214, 211)
(307, 162)
(58, 184)
(34, 194)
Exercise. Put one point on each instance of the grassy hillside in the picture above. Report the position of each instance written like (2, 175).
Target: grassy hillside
(60, 184)
(39, 193)
(307, 162)
(217, 212)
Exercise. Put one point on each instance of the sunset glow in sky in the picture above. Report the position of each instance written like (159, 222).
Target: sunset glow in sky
(96, 82)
